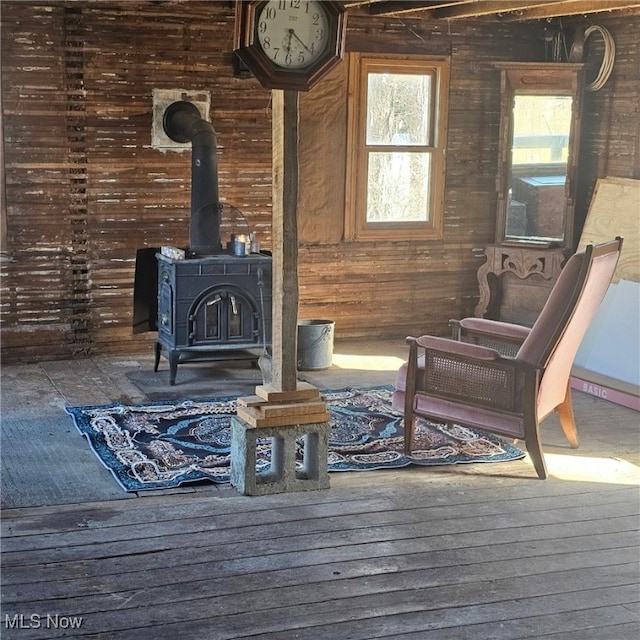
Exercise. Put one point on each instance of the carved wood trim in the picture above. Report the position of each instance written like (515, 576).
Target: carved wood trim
(522, 262)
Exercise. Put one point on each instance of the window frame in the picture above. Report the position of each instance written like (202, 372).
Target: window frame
(356, 227)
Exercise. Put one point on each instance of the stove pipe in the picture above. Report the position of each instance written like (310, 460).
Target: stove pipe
(182, 123)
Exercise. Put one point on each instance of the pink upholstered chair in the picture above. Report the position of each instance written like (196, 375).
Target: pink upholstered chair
(504, 378)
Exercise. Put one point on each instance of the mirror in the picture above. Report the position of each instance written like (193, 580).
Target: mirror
(539, 145)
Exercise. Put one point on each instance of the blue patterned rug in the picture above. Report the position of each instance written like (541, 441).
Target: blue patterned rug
(162, 445)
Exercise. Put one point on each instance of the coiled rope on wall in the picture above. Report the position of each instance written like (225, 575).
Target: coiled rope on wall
(608, 57)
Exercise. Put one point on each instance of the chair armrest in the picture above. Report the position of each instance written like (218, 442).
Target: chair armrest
(502, 336)
(465, 349)
(495, 328)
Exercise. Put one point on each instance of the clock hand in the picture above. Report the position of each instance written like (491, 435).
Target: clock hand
(295, 35)
(287, 47)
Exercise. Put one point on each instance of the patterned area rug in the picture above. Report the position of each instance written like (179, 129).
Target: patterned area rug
(162, 445)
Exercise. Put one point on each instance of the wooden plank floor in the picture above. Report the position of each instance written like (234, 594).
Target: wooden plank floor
(397, 559)
(483, 551)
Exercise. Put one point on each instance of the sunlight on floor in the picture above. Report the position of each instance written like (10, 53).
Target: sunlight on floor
(587, 469)
(367, 363)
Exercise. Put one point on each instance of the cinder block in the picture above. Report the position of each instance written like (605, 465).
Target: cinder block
(283, 476)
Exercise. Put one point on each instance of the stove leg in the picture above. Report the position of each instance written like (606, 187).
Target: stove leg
(158, 351)
(174, 357)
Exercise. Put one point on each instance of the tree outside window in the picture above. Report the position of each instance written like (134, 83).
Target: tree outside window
(397, 124)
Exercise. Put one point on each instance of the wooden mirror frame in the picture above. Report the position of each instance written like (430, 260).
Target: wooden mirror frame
(544, 78)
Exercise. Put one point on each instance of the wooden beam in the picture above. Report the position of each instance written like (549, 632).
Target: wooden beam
(571, 8)
(479, 8)
(285, 239)
(360, 3)
(282, 400)
(392, 7)
(506, 10)
(3, 190)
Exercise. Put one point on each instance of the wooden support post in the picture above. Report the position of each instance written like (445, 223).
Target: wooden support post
(285, 240)
(283, 401)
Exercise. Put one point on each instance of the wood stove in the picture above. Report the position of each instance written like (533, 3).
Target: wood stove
(212, 304)
(213, 308)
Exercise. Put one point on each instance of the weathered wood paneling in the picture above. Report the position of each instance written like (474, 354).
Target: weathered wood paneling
(459, 560)
(610, 141)
(85, 189)
(39, 280)
(398, 288)
(406, 286)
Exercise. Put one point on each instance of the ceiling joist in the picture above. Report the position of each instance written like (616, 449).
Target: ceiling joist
(503, 10)
(572, 8)
(493, 7)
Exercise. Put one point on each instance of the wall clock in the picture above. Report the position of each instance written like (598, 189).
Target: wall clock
(289, 44)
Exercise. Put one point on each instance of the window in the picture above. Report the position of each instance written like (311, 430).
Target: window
(396, 147)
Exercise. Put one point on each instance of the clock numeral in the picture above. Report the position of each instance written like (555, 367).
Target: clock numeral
(316, 19)
(293, 4)
(270, 13)
(320, 34)
(262, 27)
(266, 42)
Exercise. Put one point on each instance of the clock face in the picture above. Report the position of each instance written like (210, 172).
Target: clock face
(293, 33)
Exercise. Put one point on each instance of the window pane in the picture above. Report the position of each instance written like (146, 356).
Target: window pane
(398, 109)
(398, 187)
(541, 126)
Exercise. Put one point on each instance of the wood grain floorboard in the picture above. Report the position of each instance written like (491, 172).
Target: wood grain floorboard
(469, 552)
(510, 560)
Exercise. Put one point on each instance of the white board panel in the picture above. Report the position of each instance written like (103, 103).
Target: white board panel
(611, 347)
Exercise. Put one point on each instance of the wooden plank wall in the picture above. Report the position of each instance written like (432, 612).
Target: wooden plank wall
(399, 288)
(85, 189)
(611, 117)
(38, 283)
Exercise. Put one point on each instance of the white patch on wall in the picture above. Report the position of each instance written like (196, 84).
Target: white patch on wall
(162, 98)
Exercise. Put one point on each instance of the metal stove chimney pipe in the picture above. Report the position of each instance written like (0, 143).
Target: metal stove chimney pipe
(182, 123)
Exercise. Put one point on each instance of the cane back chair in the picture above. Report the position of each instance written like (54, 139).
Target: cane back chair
(505, 378)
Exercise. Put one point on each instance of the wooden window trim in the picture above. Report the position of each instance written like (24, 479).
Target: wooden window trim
(356, 228)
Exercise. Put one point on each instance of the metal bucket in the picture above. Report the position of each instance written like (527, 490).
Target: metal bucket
(315, 344)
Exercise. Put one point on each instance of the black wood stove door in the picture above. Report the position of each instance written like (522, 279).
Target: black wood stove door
(224, 315)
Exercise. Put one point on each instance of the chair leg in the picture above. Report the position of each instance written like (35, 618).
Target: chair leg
(534, 449)
(409, 432)
(534, 444)
(409, 396)
(567, 419)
